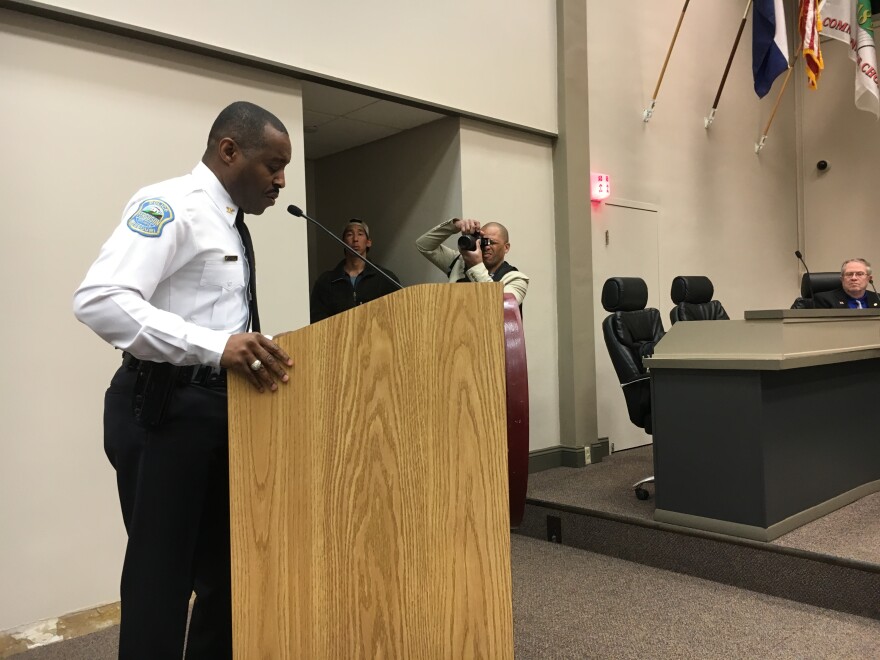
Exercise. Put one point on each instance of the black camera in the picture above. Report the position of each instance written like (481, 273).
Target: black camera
(469, 242)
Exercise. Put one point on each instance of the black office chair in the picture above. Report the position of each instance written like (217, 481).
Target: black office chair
(819, 282)
(692, 295)
(631, 331)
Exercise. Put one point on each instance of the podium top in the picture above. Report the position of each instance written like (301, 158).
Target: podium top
(771, 340)
(788, 315)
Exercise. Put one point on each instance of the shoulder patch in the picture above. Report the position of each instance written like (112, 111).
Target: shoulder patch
(150, 218)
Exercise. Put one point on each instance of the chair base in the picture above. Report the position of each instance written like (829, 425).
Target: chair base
(642, 492)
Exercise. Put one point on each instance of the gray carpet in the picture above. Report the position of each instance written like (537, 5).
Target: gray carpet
(604, 486)
(852, 532)
(572, 605)
(569, 603)
(103, 645)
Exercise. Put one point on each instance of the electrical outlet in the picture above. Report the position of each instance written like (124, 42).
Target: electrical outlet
(554, 529)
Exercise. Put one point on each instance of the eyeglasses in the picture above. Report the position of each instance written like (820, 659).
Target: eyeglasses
(855, 273)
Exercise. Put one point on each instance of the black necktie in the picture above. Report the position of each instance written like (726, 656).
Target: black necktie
(253, 313)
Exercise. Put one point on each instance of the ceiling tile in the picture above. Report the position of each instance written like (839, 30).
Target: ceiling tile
(399, 116)
(341, 134)
(329, 100)
(312, 118)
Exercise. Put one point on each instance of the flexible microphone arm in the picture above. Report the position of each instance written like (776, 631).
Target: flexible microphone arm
(297, 211)
(798, 254)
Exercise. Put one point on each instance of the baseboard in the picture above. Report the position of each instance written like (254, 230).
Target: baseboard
(76, 624)
(559, 456)
(563, 456)
(774, 531)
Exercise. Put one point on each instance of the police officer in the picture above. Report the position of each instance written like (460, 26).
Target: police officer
(173, 288)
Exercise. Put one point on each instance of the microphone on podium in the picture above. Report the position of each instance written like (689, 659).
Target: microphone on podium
(297, 211)
(798, 254)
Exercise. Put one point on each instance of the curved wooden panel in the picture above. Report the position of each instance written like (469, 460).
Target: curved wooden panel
(517, 378)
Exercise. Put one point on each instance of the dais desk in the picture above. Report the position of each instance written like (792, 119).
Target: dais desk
(765, 424)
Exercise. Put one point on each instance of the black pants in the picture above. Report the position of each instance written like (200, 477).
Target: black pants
(173, 482)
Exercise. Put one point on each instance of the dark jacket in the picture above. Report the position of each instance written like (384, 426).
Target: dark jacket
(333, 292)
(838, 299)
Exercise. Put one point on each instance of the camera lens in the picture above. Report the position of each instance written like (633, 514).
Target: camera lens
(467, 242)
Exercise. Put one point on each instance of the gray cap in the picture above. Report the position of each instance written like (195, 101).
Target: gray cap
(360, 223)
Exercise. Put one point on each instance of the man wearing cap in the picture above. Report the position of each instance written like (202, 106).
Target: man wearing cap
(352, 282)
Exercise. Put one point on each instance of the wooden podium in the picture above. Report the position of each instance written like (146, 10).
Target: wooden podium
(369, 495)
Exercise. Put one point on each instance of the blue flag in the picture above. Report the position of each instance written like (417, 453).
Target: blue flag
(769, 44)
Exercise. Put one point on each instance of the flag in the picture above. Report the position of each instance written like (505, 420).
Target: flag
(769, 44)
(809, 26)
(850, 21)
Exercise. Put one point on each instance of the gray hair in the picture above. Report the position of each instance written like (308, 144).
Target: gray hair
(860, 260)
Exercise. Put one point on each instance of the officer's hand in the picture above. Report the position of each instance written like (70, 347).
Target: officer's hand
(247, 350)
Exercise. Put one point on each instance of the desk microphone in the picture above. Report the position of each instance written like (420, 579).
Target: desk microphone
(297, 211)
(871, 281)
(798, 254)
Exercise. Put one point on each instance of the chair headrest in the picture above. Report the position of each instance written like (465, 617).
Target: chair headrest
(821, 282)
(694, 289)
(624, 294)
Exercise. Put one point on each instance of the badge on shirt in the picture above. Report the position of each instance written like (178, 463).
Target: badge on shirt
(152, 215)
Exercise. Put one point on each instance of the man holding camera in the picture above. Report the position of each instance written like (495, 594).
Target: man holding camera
(479, 258)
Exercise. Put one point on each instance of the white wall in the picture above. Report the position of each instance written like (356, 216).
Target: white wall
(507, 177)
(400, 186)
(91, 120)
(471, 56)
(722, 210)
(725, 212)
(840, 205)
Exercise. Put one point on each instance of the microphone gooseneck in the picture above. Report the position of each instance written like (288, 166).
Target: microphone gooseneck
(297, 211)
(800, 257)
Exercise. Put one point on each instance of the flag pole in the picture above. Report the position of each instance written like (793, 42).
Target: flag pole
(707, 121)
(760, 145)
(649, 111)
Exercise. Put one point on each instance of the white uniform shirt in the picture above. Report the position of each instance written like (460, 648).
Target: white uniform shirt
(170, 285)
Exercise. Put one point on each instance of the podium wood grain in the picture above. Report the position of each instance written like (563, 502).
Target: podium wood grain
(369, 497)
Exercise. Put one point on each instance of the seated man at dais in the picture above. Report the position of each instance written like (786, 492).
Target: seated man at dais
(855, 275)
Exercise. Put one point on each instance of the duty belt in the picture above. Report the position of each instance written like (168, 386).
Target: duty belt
(203, 375)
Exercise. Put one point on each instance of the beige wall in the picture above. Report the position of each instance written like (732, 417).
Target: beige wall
(714, 207)
(92, 120)
(724, 211)
(470, 56)
(840, 209)
(507, 177)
